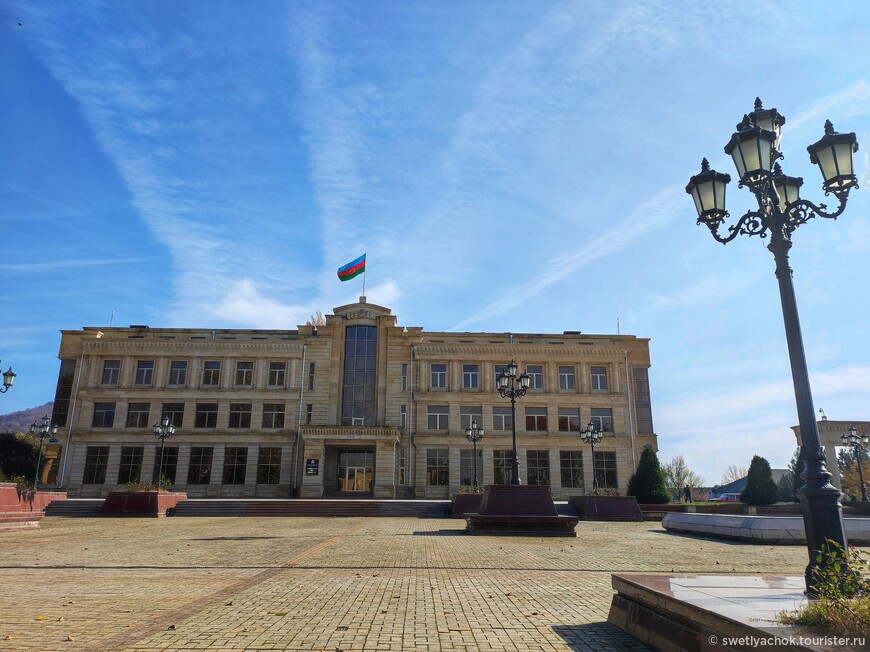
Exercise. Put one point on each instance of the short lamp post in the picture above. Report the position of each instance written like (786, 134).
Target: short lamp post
(41, 430)
(511, 386)
(163, 430)
(859, 446)
(592, 435)
(754, 148)
(474, 433)
(8, 379)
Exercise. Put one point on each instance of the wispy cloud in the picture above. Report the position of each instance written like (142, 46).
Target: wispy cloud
(55, 265)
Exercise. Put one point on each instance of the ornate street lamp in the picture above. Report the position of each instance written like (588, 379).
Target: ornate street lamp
(513, 386)
(8, 379)
(859, 445)
(755, 150)
(592, 435)
(474, 434)
(41, 430)
(163, 430)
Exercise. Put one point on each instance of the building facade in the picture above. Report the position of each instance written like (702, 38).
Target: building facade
(356, 406)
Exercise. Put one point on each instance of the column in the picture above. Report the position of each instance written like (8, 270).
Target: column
(312, 485)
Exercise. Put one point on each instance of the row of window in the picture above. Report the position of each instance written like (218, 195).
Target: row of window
(471, 377)
(199, 470)
(205, 415)
(438, 418)
(537, 468)
(211, 373)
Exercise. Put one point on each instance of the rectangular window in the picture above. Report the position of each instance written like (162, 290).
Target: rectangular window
(96, 463)
(63, 393)
(130, 469)
(177, 373)
(309, 411)
(144, 372)
(501, 466)
(311, 375)
(104, 415)
(437, 469)
(466, 467)
(470, 375)
(566, 378)
(269, 465)
(277, 373)
(571, 464)
(111, 372)
(438, 417)
(402, 460)
(538, 467)
(137, 415)
(235, 463)
(569, 419)
(439, 376)
(536, 373)
(273, 415)
(175, 412)
(642, 402)
(244, 373)
(603, 418)
(199, 471)
(359, 376)
(404, 376)
(605, 469)
(499, 369)
(170, 463)
(206, 415)
(501, 419)
(403, 417)
(469, 413)
(211, 373)
(536, 419)
(240, 415)
(599, 378)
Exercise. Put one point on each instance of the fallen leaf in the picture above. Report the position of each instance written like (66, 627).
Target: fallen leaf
(171, 627)
(280, 613)
(69, 637)
(8, 638)
(230, 603)
(40, 617)
(60, 619)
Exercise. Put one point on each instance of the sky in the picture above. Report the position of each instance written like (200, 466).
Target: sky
(506, 165)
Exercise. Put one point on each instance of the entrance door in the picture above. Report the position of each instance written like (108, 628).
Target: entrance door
(355, 470)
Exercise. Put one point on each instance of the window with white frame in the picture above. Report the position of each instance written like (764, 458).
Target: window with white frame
(104, 415)
(536, 419)
(177, 372)
(569, 419)
(605, 469)
(603, 418)
(501, 419)
(438, 373)
(438, 417)
(501, 466)
(211, 373)
(111, 372)
(469, 413)
(466, 466)
(277, 373)
(599, 378)
(571, 466)
(536, 373)
(144, 372)
(470, 376)
(437, 467)
(566, 378)
(240, 415)
(538, 467)
(273, 415)
(244, 373)
(137, 416)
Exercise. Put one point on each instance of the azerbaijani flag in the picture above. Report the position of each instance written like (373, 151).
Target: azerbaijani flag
(352, 269)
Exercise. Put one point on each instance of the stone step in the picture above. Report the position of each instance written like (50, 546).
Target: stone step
(313, 507)
(75, 508)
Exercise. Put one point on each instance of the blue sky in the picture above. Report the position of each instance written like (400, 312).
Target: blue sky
(506, 165)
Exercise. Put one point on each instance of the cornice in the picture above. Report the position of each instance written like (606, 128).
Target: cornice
(521, 351)
(174, 346)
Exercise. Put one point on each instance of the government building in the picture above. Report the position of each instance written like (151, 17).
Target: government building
(358, 406)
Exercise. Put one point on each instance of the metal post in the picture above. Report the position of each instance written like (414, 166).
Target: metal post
(474, 463)
(515, 462)
(38, 462)
(823, 518)
(858, 451)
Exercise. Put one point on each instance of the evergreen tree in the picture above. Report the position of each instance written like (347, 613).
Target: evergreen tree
(796, 466)
(760, 487)
(648, 482)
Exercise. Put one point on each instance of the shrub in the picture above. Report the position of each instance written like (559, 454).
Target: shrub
(760, 487)
(648, 482)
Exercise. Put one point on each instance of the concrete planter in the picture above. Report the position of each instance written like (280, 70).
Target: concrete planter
(141, 503)
(466, 504)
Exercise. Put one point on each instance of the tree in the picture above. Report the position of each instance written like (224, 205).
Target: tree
(760, 487)
(316, 319)
(648, 482)
(18, 454)
(733, 473)
(678, 475)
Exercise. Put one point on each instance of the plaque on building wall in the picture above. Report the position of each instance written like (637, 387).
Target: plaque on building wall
(312, 466)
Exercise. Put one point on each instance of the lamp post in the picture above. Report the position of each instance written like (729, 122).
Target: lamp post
(474, 434)
(755, 150)
(511, 386)
(859, 445)
(8, 379)
(41, 430)
(163, 430)
(592, 435)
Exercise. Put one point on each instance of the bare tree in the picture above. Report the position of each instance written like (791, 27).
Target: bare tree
(316, 319)
(679, 475)
(733, 473)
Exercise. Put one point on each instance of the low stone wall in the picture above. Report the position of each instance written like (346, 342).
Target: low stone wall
(141, 503)
(759, 529)
(12, 515)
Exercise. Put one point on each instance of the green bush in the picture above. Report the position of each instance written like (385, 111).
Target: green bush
(760, 487)
(648, 482)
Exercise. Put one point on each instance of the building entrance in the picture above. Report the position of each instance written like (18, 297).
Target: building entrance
(355, 470)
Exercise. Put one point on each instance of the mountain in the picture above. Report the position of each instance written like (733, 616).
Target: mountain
(20, 421)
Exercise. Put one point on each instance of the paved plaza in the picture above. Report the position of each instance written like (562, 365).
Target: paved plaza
(335, 583)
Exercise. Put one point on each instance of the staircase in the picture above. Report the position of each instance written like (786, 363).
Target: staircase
(75, 508)
(316, 507)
